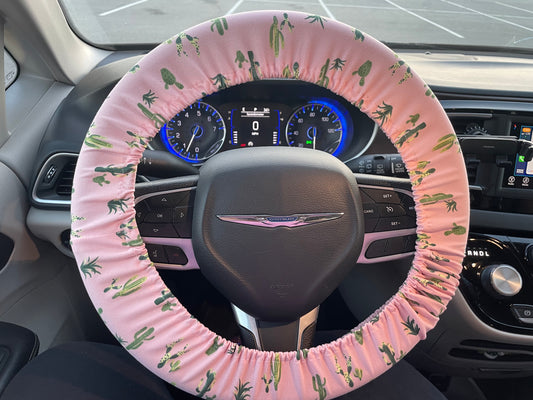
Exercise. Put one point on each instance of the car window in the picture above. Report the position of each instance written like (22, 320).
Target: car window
(465, 23)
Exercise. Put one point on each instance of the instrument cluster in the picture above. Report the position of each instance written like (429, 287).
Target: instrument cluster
(268, 113)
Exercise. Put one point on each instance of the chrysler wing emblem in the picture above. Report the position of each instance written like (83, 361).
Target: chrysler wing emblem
(274, 221)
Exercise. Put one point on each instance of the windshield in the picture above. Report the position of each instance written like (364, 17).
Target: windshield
(466, 23)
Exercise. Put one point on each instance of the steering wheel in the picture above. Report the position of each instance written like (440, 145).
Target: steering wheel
(253, 236)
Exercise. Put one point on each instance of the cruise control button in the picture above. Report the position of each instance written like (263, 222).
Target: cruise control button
(157, 230)
(408, 204)
(382, 195)
(176, 255)
(395, 223)
(390, 210)
(156, 253)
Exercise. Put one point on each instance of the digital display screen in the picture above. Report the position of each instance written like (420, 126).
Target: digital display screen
(255, 126)
(521, 177)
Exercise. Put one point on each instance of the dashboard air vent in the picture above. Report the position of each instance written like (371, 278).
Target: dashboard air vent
(53, 186)
(64, 181)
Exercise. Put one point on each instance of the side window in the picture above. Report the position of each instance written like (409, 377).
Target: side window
(10, 69)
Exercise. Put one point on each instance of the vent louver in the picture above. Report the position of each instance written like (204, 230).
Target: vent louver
(66, 176)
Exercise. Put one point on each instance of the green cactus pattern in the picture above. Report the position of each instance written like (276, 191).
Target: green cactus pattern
(317, 18)
(134, 68)
(446, 143)
(409, 134)
(420, 172)
(234, 348)
(291, 72)
(214, 346)
(451, 204)
(117, 204)
(374, 319)
(389, 355)
(429, 92)
(436, 282)
(438, 258)
(241, 391)
(120, 340)
(359, 35)
(423, 241)
(125, 229)
(383, 113)
(412, 303)
(169, 356)
(96, 141)
(338, 64)
(276, 38)
(206, 385)
(140, 337)
(131, 286)
(165, 295)
(149, 98)
(411, 326)
(192, 40)
(117, 171)
(240, 58)
(443, 275)
(357, 373)
(301, 354)
(431, 296)
(221, 81)
(157, 119)
(220, 24)
(101, 180)
(254, 70)
(413, 119)
(323, 79)
(358, 336)
(275, 373)
(363, 71)
(134, 243)
(138, 140)
(169, 79)
(456, 230)
(90, 267)
(319, 386)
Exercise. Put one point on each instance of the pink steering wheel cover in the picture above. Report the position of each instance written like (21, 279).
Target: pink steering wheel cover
(122, 282)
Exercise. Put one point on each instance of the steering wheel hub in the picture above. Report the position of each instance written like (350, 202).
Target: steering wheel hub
(275, 230)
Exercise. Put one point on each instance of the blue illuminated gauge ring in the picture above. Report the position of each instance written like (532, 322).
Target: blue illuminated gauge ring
(195, 134)
(317, 125)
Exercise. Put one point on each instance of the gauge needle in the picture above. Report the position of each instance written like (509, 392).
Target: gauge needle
(195, 131)
(314, 138)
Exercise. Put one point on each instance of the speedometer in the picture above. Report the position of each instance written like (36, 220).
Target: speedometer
(316, 125)
(196, 133)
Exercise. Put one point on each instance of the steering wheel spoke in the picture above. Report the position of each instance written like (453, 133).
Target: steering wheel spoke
(277, 336)
(164, 212)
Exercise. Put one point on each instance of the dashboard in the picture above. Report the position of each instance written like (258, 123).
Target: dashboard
(494, 133)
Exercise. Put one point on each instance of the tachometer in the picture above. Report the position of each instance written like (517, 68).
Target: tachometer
(196, 133)
(317, 125)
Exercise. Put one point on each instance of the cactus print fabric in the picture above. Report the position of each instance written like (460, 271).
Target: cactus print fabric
(125, 287)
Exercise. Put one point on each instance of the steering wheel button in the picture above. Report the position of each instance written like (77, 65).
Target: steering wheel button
(141, 209)
(376, 249)
(370, 211)
(390, 210)
(169, 200)
(395, 223)
(162, 216)
(181, 214)
(156, 253)
(176, 255)
(382, 196)
(184, 229)
(370, 224)
(157, 230)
